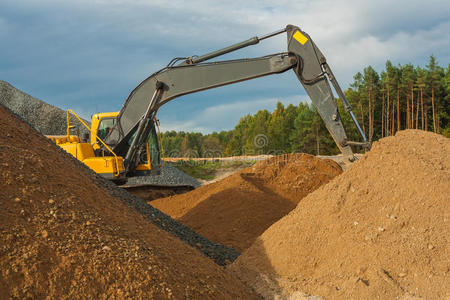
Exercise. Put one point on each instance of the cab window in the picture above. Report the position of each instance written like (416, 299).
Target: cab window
(105, 127)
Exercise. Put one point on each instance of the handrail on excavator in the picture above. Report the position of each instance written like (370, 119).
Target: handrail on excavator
(116, 159)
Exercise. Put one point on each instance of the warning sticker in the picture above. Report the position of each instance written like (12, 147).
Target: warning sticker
(300, 37)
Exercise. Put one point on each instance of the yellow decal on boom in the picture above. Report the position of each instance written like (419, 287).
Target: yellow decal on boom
(300, 37)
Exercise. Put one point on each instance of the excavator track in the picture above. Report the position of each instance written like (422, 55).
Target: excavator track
(149, 192)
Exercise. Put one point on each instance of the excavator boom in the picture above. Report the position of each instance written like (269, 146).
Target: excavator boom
(135, 120)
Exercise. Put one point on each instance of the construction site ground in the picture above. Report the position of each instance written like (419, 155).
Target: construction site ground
(289, 227)
(66, 233)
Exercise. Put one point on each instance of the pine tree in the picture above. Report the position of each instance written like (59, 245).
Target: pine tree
(357, 97)
(371, 79)
(434, 76)
(386, 90)
(445, 103)
(421, 84)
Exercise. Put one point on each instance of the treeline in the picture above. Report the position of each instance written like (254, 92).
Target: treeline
(400, 97)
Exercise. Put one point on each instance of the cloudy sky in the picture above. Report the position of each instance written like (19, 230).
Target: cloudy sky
(89, 54)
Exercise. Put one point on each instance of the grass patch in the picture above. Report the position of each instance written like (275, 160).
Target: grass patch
(207, 170)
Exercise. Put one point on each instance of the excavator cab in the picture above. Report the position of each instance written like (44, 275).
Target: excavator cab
(148, 158)
(101, 126)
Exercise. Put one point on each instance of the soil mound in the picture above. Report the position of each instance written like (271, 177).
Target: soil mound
(237, 209)
(378, 231)
(294, 176)
(63, 236)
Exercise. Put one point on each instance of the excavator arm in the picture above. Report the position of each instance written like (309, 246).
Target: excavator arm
(135, 120)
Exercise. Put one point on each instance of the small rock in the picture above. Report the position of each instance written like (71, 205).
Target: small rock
(44, 234)
(106, 248)
(402, 274)
(381, 229)
(88, 223)
(17, 199)
(51, 201)
(355, 223)
(430, 247)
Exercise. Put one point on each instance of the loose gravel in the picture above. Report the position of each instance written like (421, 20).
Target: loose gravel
(45, 118)
(170, 175)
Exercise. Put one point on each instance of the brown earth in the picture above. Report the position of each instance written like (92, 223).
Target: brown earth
(378, 231)
(63, 236)
(237, 209)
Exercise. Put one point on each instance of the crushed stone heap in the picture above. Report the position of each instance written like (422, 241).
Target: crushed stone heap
(63, 236)
(46, 118)
(236, 210)
(378, 231)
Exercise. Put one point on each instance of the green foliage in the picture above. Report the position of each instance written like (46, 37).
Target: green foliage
(194, 144)
(300, 128)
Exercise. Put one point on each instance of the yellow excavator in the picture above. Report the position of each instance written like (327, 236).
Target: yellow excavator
(125, 144)
(88, 151)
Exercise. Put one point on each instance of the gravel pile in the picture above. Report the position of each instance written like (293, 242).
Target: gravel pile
(45, 118)
(169, 176)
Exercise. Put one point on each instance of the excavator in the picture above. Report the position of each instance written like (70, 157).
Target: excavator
(125, 144)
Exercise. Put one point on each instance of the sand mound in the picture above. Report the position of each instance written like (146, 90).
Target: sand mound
(237, 209)
(294, 176)
(378, 231)
(63, 236)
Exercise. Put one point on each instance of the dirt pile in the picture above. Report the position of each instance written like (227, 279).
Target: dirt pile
(378, 231)
(237, 209)
(294, 176)
(46, 118)
(63, 236)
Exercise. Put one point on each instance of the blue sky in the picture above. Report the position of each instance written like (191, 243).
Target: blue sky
(88, 55)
